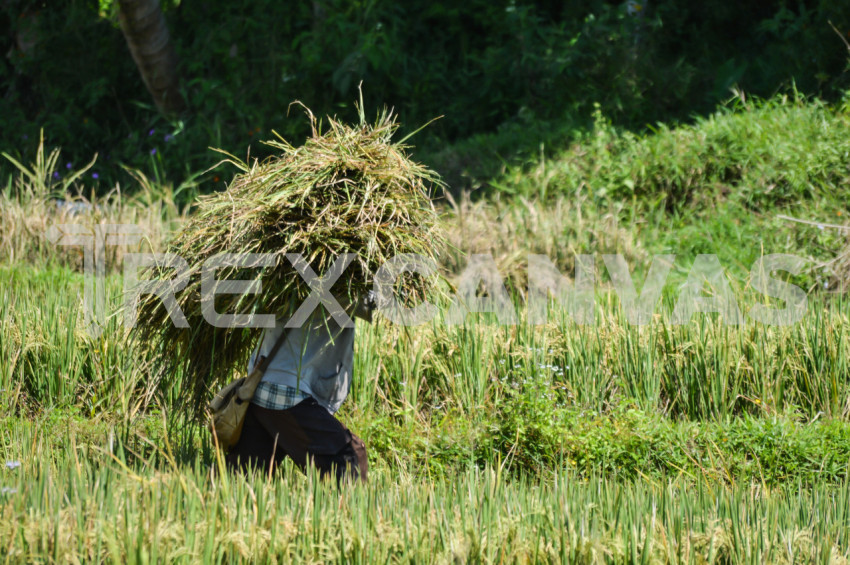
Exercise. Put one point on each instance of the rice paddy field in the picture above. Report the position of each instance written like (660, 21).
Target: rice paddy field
(559, 442)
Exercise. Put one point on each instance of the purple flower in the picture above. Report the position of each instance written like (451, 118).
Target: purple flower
(151, 132)
(153, 151)
(25, 137)
(56, 175)
(95, 176)
(68, 165)
(168, 137)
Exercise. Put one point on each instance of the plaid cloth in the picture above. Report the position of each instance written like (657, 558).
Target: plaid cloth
(277, 397)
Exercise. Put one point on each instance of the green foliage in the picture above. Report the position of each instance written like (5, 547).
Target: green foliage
(527, 430)
(83, 489)
(486, 67)
(761, 154)
(529, 434)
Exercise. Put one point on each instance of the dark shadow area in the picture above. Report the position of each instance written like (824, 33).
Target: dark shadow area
(510, 79)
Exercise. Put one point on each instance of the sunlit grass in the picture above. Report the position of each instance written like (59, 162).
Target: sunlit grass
(560, 442)
(100, 503)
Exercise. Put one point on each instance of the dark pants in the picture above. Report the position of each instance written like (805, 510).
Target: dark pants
(307, 433)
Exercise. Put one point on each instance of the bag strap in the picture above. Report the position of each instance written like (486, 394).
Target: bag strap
(264, 361)
(246, 391)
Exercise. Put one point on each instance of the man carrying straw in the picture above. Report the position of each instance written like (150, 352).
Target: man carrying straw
(348, 192)
(292, 411)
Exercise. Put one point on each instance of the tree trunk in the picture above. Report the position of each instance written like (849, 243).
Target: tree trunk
(147, 37)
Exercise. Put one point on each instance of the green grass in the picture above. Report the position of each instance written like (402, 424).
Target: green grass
(716, 186)
(758, 153)
(96, 501)
(530, 390)
(703, 370)
(603, 443)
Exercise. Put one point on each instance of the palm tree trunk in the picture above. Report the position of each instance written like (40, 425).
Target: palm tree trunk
(147, 37)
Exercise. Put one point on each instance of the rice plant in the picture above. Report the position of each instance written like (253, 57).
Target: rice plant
(101, 504)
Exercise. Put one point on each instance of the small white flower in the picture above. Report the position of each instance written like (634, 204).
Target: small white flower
(501, 361)
(8, 490)
(820, 227)
(12, 465)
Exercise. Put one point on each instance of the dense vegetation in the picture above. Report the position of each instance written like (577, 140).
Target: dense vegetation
(506, 76)
(607, 442)
(587, 127)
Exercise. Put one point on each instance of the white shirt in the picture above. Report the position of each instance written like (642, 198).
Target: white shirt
(316, 358)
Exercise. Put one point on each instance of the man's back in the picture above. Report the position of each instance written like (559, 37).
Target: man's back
(316, 359)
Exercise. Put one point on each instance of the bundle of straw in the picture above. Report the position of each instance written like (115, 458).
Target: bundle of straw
(347, 190)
